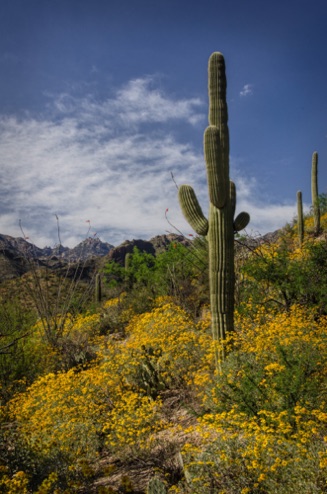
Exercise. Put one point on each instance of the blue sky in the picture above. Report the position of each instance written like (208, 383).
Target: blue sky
(100, 100)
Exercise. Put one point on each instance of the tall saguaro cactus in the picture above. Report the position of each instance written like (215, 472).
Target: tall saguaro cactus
(300, 221)
(98, 288)
(220, 226)
(314, 192)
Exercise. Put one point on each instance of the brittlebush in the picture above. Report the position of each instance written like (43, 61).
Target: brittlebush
(263, 425)
(282, 273)
(266, 431)
(113, 403)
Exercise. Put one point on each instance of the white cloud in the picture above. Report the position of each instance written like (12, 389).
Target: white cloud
(268, 218)
(135, 103)
(109, 162)
(265, 217)
(246, 90)
(92, 160)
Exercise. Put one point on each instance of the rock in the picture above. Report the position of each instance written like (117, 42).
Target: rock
(162, 242)
(118, 254)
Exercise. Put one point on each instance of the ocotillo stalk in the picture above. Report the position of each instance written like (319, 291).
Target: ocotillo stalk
(314, 193)
(300, 225)
(220, 226)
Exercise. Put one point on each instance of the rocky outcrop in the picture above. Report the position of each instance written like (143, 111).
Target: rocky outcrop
(17, 256)
(118, 254)
(162, 242)
(154, 246)
(19, 247)
(90, 247)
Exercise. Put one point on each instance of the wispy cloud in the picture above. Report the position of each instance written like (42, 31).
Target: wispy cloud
(94, 160)
(268, 217)
(109, 162)
(247, 90)
(265, 215)
(137, 102)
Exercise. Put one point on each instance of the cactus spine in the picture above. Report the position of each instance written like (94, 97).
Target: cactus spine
(314, 192)
(220, 226)
(300, 223)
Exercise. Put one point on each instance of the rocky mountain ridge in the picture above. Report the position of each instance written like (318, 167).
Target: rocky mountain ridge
(17, 255)
(87, 248)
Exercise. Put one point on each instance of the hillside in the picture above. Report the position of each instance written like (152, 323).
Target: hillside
(122, 395)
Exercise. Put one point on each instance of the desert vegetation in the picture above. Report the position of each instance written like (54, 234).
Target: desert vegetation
(161, 382)
(132, 401)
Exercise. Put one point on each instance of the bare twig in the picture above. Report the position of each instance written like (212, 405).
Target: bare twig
(173, 179)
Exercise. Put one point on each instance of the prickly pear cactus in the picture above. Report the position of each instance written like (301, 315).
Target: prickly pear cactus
(220, 226)
(155, 486)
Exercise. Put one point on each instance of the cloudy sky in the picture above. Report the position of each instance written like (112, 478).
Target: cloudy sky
(101, 101)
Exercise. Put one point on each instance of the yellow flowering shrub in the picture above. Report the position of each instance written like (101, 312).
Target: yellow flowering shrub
(13, 484)
(62, 412)
(116, 314)
(266, 430)
(263, 454)
(114, 402)
(263, 426)
(309, 222)
(166, 349)
(283, 273)
(72, 347)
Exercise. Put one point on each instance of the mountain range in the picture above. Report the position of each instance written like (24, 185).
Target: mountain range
(17, 255)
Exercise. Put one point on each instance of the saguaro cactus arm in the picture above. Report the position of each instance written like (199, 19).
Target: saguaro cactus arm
(241, 221)
(192, 210)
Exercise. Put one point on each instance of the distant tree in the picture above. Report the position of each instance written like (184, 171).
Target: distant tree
(283, 275)
(179, 272)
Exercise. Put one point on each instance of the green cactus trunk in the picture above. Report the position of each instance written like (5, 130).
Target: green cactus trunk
(314, 193)
(98, 289)
(220, 227)
(221, 272)
(300, 223)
